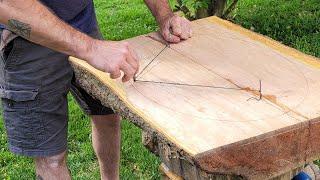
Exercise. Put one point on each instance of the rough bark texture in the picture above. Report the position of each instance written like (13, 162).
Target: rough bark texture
(218, 7)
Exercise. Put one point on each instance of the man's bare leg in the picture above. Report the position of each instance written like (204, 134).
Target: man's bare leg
(53, 167)
(106, 144)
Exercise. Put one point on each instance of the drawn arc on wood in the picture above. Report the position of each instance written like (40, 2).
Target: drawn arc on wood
(153, 63)
(209, 127)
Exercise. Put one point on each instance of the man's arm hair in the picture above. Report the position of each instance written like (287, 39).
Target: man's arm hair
(35, 22)
(160, 9)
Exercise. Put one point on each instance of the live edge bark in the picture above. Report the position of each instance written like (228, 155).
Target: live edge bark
(263, 157)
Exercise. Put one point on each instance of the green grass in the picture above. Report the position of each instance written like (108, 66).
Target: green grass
(295, 23)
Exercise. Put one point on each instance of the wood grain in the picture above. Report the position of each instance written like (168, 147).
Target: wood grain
(222, 129)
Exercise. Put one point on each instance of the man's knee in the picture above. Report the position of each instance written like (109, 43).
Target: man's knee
(51, 162)
(53, 167)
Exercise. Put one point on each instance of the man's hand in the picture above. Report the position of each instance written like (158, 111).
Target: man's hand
(175, 28)
(113, 57)
(172, 27)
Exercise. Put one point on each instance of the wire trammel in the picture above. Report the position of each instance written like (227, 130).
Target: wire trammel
(167, 45)
(135, 77)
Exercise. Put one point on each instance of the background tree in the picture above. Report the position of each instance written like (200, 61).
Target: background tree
(196, 9)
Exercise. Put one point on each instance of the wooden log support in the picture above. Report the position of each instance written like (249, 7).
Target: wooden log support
(202, 110)
(175, 167)
(167, 174)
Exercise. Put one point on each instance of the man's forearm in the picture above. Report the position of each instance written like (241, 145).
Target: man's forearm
(33, 21)
(160, 9)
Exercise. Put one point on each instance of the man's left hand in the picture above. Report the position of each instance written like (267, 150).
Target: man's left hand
(175, 28)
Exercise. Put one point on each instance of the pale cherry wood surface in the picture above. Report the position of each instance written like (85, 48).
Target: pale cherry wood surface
(199, 119)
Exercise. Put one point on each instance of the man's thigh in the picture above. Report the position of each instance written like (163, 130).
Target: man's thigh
(33, 88)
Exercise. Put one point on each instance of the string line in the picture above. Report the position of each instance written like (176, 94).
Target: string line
(184, 84)
(150, 62)
(135, 78)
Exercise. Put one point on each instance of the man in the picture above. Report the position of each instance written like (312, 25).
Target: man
(35, 77)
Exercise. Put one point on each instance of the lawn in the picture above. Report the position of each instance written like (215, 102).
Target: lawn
(295, 23)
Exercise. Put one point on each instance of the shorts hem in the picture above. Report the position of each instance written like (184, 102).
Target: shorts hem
(101, 113)
(37, 153)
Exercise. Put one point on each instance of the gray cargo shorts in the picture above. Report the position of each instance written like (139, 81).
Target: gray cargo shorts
(34, 83)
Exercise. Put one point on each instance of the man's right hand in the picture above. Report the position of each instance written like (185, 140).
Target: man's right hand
(113, 57)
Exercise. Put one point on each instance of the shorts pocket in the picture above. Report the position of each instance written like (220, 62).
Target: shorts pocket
(8, 50)
(24, 126)
(18, 99)
(23, 95)
(9, 47)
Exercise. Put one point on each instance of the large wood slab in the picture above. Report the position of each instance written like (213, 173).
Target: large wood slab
(225, 129)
